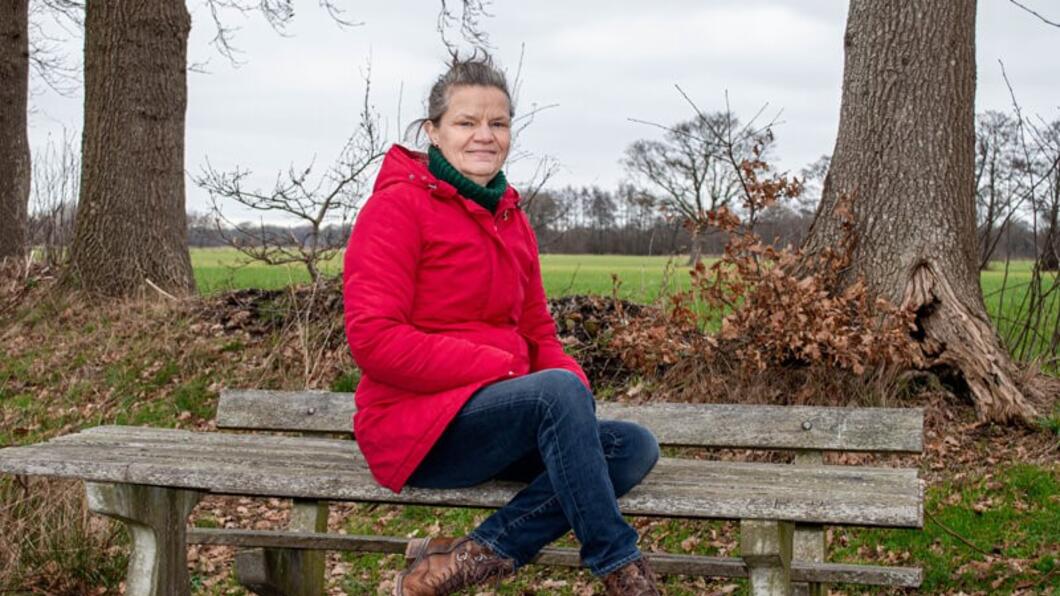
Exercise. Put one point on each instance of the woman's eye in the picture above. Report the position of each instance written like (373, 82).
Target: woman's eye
(500, 125)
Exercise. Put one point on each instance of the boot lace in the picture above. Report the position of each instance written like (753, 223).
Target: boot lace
(473, 569)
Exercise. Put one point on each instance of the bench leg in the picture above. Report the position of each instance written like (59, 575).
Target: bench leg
(766, 548)
(287, 572)
(809, 544)
(157, 520)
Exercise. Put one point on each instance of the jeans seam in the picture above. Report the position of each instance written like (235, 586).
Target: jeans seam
(563, 467)
(615, 566)
(615, 444)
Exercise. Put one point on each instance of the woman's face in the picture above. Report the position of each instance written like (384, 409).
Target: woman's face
(475, 132)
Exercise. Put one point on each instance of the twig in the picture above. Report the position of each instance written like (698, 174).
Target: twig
(1043, 19)
(160, 290)
(572, 277)
(955, 534)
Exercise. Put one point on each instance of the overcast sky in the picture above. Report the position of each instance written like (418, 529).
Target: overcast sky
(296, 98)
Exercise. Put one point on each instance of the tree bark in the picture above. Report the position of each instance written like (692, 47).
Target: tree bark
(131, 221)
(904, 157)
(14, 143)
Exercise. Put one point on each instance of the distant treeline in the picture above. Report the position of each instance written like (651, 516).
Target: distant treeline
(591, 220)
(567, 221)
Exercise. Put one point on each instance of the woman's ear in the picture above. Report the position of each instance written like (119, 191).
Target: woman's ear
(431, 132)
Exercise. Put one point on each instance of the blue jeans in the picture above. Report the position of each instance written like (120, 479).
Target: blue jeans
(542, 429)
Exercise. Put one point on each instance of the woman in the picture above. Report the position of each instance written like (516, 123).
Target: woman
(463, 377)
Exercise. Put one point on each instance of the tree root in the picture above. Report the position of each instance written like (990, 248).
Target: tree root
(960, 336)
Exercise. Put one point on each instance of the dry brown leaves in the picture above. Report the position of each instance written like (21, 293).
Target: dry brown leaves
(774, 307)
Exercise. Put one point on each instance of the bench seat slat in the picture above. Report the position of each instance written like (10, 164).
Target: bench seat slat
(329, 455)
(665, 563)
(897, 430)
(333, 469)
(679, 476)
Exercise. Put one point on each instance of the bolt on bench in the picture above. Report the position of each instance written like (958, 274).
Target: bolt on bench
(151, 479)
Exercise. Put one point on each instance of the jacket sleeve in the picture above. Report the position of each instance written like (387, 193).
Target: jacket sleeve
(537, 325)
(379, 276)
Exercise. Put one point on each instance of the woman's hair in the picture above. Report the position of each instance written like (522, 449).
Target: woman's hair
(475, 70)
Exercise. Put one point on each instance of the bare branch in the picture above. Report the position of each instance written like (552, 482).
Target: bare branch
(56, 69)
(325, 204)
(471, 13)
(338, 14)
(1043, 19)
(277, 13)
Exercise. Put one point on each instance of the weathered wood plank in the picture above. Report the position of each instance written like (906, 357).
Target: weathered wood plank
(330, 453)
(777, 427)
(335, 456)
(325, 454)
(669, 564)
(333, 469)
(839, 573)
(705, 425)
(297, 540)
(305, 411)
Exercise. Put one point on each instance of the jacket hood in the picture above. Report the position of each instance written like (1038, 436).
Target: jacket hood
(405, 166)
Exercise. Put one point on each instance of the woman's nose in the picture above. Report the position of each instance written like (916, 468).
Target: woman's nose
(483, 133)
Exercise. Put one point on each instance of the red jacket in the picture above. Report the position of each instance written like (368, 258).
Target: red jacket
(442, 298)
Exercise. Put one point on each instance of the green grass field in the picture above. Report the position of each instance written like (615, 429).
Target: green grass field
(220, 269)
(641, 279)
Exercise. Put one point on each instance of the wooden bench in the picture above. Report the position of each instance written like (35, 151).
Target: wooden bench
(151, 479)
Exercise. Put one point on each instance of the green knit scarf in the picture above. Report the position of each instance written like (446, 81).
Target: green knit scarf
(488, 196)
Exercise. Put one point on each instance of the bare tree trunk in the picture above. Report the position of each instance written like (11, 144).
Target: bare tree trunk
(695, 249)
(1050, 257)
(131, 223)
(1050, 254)
(904, 155)
(14, 143)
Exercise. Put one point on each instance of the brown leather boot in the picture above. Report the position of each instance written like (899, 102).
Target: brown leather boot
(442, 566)
(632, 579)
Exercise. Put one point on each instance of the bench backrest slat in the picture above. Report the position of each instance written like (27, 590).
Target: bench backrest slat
(696, 425)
